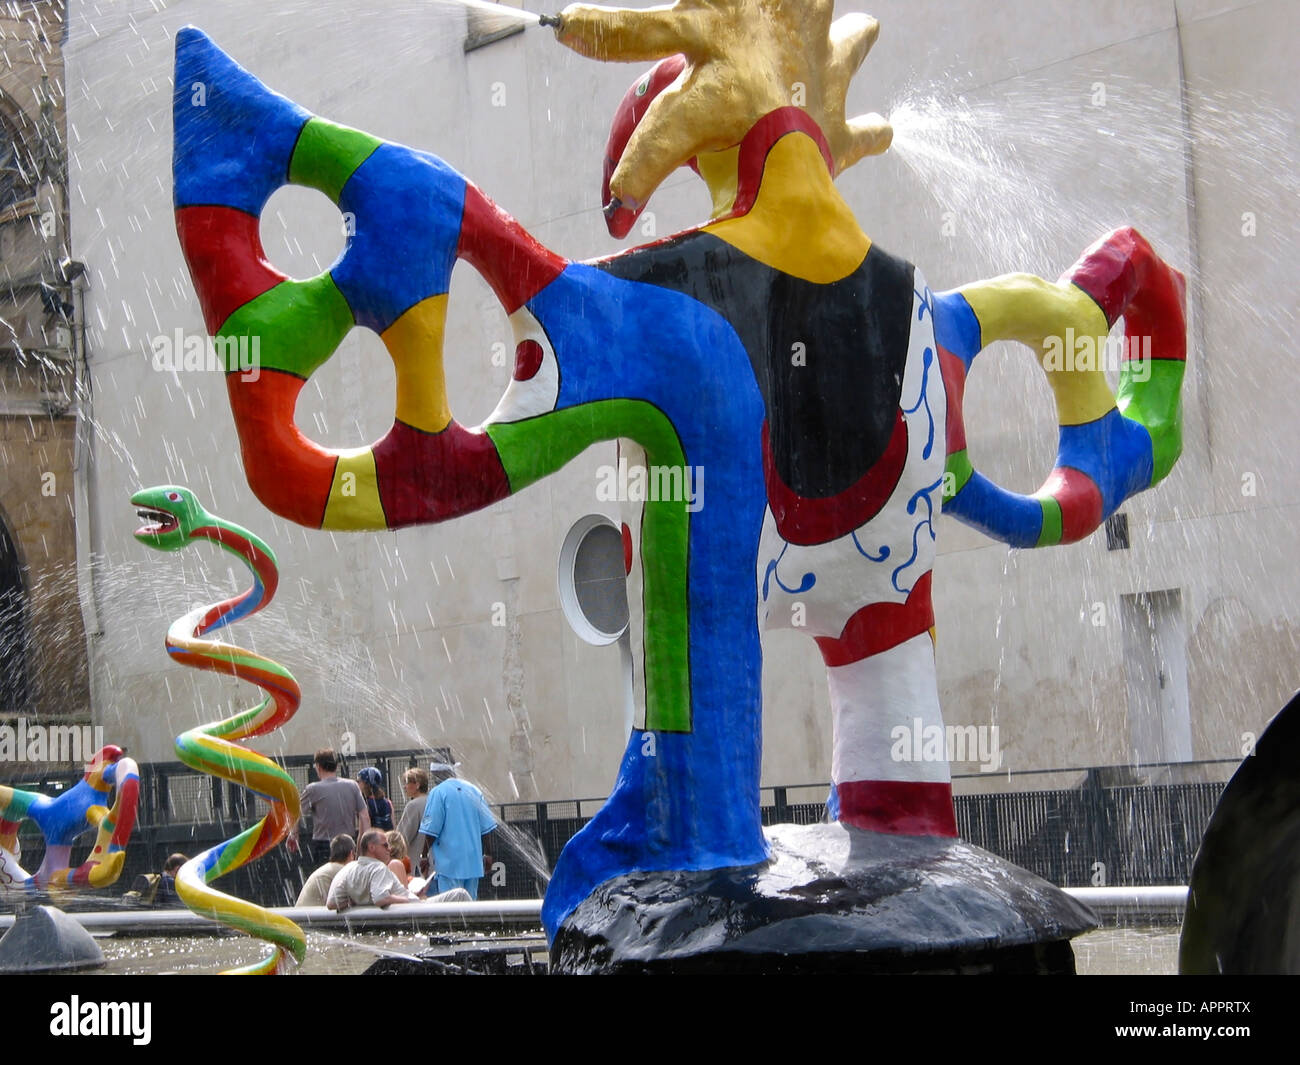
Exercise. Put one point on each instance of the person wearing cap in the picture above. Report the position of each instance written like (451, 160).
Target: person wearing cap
(378, 804)
(415, 782)
(456, 818)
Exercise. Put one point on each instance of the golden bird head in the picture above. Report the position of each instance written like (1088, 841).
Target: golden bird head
(739, 60)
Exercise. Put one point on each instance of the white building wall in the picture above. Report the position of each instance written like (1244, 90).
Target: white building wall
(532, 711)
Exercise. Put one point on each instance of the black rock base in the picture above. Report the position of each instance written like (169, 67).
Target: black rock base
(44, 939)
(833, 899)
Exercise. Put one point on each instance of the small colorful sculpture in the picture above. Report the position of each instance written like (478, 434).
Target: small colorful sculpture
(175, 519)
(66, 816)
(816, 379)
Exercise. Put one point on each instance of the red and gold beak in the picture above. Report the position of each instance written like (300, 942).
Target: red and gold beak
(620, 216)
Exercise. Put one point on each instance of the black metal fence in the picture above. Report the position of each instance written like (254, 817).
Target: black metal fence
(1102, 836)
(181, 811)
(1094, 835)
(1101, 833)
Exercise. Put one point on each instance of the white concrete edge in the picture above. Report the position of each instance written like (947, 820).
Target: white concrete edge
(418, 916)
(517, 913)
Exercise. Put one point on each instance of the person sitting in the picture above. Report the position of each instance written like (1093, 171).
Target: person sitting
(158, 889)
(378, 804)
(316, 890)
(368, 881)
(399, 860)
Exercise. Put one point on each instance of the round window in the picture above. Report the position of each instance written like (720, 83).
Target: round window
(593, 580)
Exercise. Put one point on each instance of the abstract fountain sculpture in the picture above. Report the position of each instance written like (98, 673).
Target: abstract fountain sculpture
(42, 937)
(816, 378)
(65, 817)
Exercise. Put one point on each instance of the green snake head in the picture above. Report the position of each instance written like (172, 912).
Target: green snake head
(171, 513)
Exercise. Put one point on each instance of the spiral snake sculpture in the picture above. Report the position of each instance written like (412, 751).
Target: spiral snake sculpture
(175, 519)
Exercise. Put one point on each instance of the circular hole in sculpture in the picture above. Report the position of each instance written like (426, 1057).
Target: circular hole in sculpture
(302, 232)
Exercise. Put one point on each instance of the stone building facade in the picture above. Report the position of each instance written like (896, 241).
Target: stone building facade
(44, 675)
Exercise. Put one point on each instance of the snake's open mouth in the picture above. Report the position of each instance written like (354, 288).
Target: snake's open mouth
(157, 523)
(168, 513)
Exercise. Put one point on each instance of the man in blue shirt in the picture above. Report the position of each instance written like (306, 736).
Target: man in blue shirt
(456, 818)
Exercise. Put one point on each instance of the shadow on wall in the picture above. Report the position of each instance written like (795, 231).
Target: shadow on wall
(1240, 671)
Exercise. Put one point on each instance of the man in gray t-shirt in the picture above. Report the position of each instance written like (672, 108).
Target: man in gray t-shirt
(335, 804)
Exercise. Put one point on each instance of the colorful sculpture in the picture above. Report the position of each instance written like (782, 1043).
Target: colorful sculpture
(175, 519)
(814, 377)
(66, 816)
